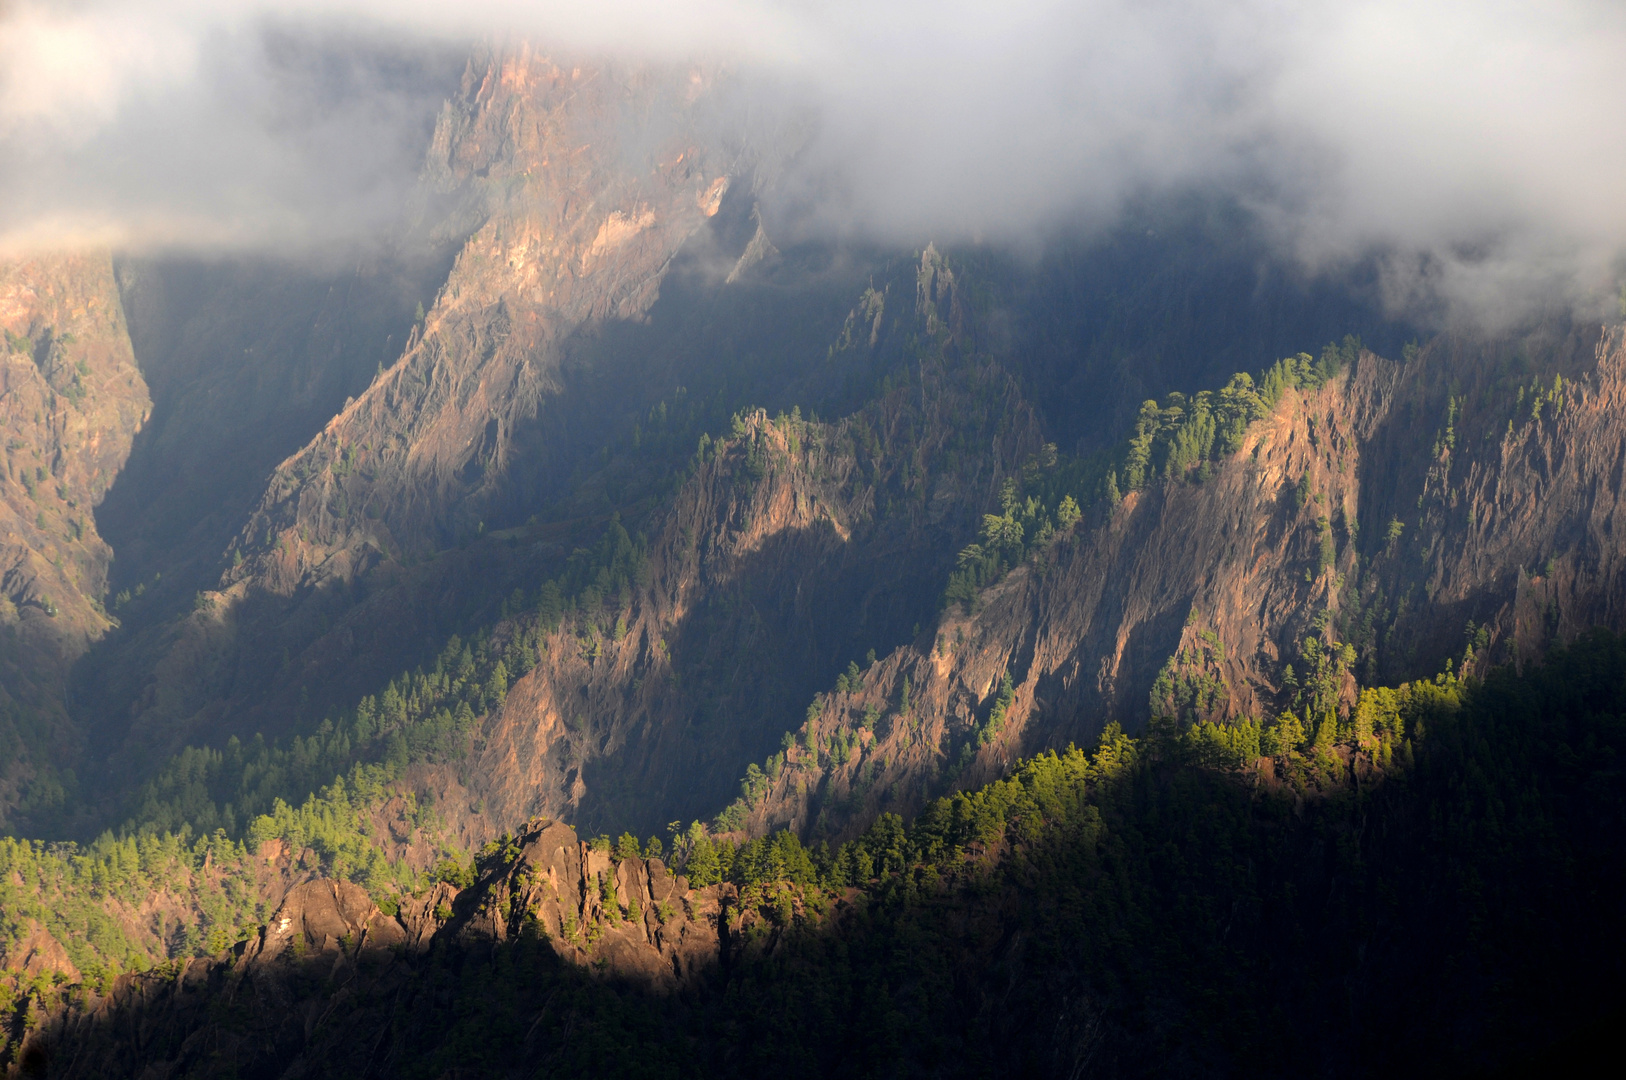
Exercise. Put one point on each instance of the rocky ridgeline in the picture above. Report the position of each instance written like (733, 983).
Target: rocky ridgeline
(71, 402)
(527, 182)
(793, 546)
(329, 947)
(1454, 503)
(1412, 509)
(560, 233)
(628, 914)
(1405, 499)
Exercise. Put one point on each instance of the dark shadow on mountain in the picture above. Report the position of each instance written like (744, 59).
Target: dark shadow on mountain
(246, 360)
(1159, 918)
(1129, 314)
(706, 349)
(749, 657)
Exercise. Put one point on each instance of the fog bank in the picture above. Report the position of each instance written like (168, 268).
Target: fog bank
(1476, 147)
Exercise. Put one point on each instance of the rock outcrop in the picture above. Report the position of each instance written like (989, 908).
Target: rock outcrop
(1456, 508)
(795, 547)
(562, 193)
(631, 915)
(792, 546)
(329, 949)
(36, 953)
(71, 402)
(1331, 522)
(572, 221)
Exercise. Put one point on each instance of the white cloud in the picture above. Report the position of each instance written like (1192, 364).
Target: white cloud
(1478, 144)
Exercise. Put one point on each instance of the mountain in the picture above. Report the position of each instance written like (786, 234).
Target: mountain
(73, 399)
(1129, 912)
(349, 599)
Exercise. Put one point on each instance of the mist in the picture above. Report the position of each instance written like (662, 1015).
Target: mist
(1473, 149)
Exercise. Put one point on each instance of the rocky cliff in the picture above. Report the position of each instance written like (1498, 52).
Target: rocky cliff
(542, 885)
(1135, 611)
(562, 194)
(1454, 508)
(71, 402)
(579, 220)
(1127, 912)
(434, 478)
(793, 548)
(487, 526)
(795, 545)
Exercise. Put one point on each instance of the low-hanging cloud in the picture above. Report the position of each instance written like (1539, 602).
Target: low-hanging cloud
(1475, 148)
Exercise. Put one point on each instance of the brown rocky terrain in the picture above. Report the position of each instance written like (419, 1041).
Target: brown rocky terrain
(570, 234)
(311, 483)
(1333, 522)
(409, 514)
(792, 547)
(246, 359)
(38, 953)
(795, 545)
(629, 915)
(529, 181)
(71, 401)
(1456, 490)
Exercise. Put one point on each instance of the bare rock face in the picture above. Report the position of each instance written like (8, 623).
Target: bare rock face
(542, 752)
(1413, 510)
(1506, 489)
(564, 192)
(1455, 508)
(569, 220)
(38, 953)
(329, 949)
(326, 916)
(771, 554)
(71, 402)
(629, 915)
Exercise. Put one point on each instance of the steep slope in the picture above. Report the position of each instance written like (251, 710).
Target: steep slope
(71, 402)
(286, 642)
(1131, 912)
(573, 231)
(1197, 596)
(1494, 485)
(622, 685)
(562, 209)
(247, 359)
(794, 547)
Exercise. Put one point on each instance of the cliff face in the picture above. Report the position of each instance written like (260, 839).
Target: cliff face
(1386, 509)
(991, 936)
(71, 402)
(579, 222)
(794, 547)
(629, 915)
(1458, 506)
(1494, 489)
(562, 211)
(247, 359)
(1328, 525)
(759, 590)
(407, 516)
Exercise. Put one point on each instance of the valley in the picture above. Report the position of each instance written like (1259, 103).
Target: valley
(654, 629)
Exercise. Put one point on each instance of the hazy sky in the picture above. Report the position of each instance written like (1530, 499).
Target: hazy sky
(1479, 145)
